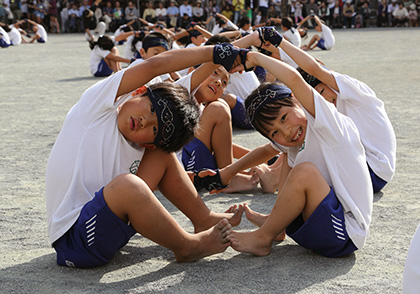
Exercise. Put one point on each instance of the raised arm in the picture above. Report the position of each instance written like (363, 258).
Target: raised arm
(169, 61)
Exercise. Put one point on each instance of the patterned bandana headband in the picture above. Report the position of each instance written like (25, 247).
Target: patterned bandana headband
(167, 122)
(276, 91)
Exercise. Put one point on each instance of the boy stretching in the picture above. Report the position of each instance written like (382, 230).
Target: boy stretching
(115, 148)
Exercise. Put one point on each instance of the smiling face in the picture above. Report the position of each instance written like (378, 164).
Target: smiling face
(289, 128)
(137, 120)
(327, 93)
(213, 87)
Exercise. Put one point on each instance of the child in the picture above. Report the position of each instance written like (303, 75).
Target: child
(104, 58)
(39, 30)
(90, 23)
(4, 37)
(359, 102)
(325, 41)
(121, 139)
(212, 146)
(325, 193)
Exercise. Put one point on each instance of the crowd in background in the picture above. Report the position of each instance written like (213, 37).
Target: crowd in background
(65, 15)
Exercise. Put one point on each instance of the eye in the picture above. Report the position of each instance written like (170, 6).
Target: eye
(273, 134)
(155, 131)
(322, 91)
(283, 118)
(152, 109)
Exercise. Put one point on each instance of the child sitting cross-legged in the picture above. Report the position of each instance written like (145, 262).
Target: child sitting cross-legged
(114, 149)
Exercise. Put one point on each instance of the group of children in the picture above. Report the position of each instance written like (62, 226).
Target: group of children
(14, 35)
(146, 127)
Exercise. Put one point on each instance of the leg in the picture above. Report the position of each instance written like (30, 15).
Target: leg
(163, 170)
(313, 42)
(132, 201)
(216, 132)
(303, 191)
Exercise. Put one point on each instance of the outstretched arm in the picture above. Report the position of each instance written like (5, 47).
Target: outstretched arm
(169, 61)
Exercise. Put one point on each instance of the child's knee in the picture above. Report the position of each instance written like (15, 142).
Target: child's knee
(218, 110)
(124, 184)
(303, 172)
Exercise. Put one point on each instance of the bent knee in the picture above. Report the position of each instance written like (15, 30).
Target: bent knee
(218, 110)
(304, 171)
(124, 184)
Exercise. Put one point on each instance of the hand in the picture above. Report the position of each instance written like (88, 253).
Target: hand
(269, 34)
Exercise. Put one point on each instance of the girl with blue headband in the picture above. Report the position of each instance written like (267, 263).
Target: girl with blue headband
(325, 194)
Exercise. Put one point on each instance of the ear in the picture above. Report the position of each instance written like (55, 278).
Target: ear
(142, 52)
(148, 146)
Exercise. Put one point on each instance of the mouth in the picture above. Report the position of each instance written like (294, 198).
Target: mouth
(213, 89)
(297, 135)
(132, 123)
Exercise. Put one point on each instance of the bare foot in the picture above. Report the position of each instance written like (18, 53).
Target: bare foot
(254, 217)
(240, 182)
(251, 242)
(269, 175)
(206, 243)
(259, 219)
(233, 215)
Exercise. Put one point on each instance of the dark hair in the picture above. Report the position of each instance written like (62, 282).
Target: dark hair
(104, 42)
(149, 40)
(6, 28)
(243, 21)
(264, 116)
(184, 107)
(217, 39)
(287, 22)
(137, 37)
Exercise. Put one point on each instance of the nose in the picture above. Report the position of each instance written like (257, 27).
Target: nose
(144, 121)
(218, 82)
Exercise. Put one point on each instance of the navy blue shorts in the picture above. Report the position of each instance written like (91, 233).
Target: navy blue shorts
(196, 156)
(239, 117)
(103, 69)
(321, 44)
(3, 43)
(324, 231)
(95, 237)
(40, 40)
(377, 182)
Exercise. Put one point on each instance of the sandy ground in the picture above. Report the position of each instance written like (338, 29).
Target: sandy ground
(39, 83)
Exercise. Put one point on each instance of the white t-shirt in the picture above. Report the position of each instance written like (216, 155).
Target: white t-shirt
(5, 36)
(332, 144)
(158, 79)
(89, 152)
(128, 50)
(293, 37)
(359, 102)
(15, 36)
(411, 277)
(217, 29)
(327, 35)
(42, 32)
(95, 58)
(242, 84)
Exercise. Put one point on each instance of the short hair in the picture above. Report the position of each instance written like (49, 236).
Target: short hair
(243, 21)
(217, 39)
(287, 22)
(155, 39)
(268, 112)
(186, 110)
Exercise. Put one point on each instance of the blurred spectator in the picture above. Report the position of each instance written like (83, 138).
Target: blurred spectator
(227, 12)
(238, 8)
(413, 16)
(324, 13)
(64, 16)
(149, 14)
(277, 6)
(391, 7)
(198, 11)
(400, 14)
(161, 12)
(185, 8)
(349, 15)
(380, 14)
(131, 12)
(263, 8)
(39, 11)
(107, 14)
(173, 14)
(53, 12)
(74, 18)
(118, 14)
(337, 15)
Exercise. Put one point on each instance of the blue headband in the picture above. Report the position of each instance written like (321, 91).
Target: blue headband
(154, 42)
(275, 92)
(167, 122)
